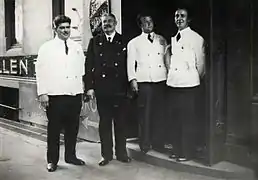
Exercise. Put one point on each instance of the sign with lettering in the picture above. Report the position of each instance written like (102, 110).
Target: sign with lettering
(23, 66)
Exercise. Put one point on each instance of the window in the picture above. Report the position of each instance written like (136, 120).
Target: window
(57, 7)
(13, 23)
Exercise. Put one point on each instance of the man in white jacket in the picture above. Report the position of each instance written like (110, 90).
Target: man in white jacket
(185, 72)
(59, 72)
(147, 75)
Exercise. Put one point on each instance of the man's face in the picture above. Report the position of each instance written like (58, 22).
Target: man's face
(181, 19)
(147, 24)
(63, 31)
(108, 24)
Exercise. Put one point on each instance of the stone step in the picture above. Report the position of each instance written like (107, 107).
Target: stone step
(26, 129)
(222, 170)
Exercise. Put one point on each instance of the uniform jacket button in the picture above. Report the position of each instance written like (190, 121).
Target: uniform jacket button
(118, 54)
(116, 64)
(101, 54)
(103, 75)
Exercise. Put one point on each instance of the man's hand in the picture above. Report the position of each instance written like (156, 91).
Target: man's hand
(134, 85)
(44, 101)
(91, 94)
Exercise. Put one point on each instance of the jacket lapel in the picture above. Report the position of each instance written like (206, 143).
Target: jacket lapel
(117, 39)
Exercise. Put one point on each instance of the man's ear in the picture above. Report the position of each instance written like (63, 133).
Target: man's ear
(189, 21)
(54, 26)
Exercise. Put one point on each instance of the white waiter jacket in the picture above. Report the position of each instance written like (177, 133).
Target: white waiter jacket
(58, 73)
(149, 58)
(187, 59)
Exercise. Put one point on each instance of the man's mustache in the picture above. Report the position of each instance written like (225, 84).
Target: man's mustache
(107, 26)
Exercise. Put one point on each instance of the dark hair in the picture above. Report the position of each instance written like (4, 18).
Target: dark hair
(61, 19)
(140, 16)
(109, 14)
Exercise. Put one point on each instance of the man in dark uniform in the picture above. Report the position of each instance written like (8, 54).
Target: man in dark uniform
(106, 78)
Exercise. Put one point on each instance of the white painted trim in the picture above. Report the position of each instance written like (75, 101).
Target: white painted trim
(13, 82)
(116, 10)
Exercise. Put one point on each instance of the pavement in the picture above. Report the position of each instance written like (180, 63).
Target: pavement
(23, 158)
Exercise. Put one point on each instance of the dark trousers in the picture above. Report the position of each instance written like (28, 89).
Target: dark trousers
(150, 113)
(63, 111)
(181, 124)
(112, 109)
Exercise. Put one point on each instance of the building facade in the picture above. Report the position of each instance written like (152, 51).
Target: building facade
(25, 26)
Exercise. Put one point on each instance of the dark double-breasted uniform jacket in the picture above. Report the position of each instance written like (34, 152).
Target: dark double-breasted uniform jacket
(106, 74)
(106, 66)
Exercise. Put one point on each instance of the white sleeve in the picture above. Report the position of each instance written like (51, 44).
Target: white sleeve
(41, 71)
(200, 56)
(82, 58)
(131, 61)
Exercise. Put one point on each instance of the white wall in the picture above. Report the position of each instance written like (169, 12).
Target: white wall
(116, 10)
(37, 23)
(2, 28)
(76, 17)
(86, 33)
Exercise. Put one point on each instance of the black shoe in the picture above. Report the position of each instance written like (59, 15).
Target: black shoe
(124, 159)
(182, 159)
(51, 167)
(75, 161)
(145, 150)
(172, 156)
(104, 161)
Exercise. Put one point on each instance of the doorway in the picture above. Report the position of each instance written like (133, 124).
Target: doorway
(163, 17)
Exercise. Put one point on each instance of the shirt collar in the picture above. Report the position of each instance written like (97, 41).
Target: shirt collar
(111, 35)
(184, 31)
(146, 34)
(57, 39)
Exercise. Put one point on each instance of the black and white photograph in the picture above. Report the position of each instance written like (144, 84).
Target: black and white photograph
(129, 89)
